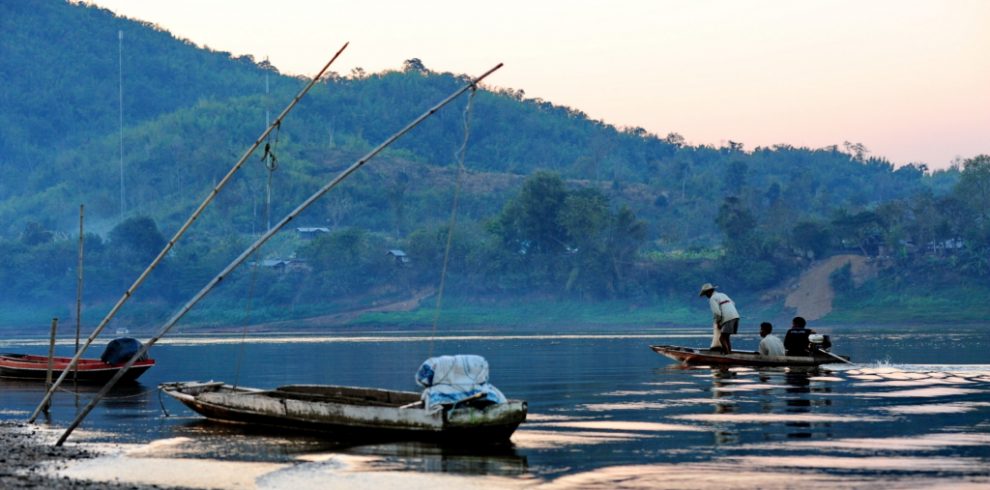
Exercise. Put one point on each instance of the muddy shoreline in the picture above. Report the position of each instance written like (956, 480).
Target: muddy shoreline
(29, 455)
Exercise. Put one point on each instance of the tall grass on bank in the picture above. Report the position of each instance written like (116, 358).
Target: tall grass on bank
(536, 313)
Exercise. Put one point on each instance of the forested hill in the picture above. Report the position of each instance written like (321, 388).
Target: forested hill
(189, 111)
(555, 201)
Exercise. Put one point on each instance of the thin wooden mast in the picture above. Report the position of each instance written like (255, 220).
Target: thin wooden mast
(79, 284)
(258, 243)
(171, 243)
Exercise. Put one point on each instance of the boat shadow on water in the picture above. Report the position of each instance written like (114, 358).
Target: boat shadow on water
(131, 393)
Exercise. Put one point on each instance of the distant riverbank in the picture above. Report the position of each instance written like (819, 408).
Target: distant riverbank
(870, 304)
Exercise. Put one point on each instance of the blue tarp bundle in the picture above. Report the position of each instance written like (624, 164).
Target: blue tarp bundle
(451, 379)
(121, 350)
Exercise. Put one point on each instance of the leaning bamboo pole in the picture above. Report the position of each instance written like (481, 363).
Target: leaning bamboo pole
(171, 243)
(258, 243)
(51, 359)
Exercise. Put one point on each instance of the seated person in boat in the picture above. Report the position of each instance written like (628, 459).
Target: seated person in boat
(796, 341)
(724, 315)
(771, 344)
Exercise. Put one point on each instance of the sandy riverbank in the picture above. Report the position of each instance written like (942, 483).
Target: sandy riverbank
(29, 456)
(30, 460)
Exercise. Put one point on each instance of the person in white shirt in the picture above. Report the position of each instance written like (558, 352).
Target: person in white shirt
(724, 315)
(771, 345)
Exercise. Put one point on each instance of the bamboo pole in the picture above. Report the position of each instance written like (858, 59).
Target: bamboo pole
(171, 243)
(51, 360)
(257, 244)
(79, 289)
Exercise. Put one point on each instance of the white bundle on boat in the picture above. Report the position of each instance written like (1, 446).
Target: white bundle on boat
(452, 379)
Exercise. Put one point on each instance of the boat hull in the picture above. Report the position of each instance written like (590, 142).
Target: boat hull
(28, 367)
(707, 357)
(350, 413)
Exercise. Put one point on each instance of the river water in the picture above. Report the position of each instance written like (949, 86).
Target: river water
(604, 411)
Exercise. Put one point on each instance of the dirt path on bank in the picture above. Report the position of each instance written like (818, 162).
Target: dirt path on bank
(813, 296)
(343, 317)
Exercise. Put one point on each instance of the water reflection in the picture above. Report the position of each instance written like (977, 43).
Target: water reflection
(419, 456)
(603, 412)
(126, 400)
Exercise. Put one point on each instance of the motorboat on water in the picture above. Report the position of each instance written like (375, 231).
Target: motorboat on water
(118, 351)
(708, 357)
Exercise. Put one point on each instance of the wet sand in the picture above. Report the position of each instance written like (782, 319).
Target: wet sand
(31, 461)
(29, 457)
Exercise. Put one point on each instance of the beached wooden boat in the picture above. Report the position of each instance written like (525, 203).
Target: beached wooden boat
(707, 357)
(26, 366)
(349, 412)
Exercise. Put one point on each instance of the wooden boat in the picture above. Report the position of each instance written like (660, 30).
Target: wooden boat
(349, 412)
(708, 357)
(26, 366)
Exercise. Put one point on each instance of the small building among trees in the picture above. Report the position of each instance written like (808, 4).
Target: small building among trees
(311, 232)
(401, 259)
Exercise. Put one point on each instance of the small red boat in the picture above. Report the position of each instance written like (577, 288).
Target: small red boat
(27, 366)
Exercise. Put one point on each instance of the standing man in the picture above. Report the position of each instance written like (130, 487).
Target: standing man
(724, 314)
(771, 344)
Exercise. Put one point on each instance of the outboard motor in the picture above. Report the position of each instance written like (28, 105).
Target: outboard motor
(819, 342)
(121, 350)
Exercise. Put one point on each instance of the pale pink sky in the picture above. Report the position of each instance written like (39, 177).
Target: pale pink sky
(910, 79)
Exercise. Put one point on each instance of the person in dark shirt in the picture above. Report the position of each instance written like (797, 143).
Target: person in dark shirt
(796, 341)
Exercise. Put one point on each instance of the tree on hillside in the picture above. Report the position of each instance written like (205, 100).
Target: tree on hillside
(626, 235)
(414, 64)
(973, 190)
(735, 220)
(396, 193)
(584, 217)
(530, 223)
(861, 230)
(344, 263)
(812, 237)
(137, 239)
(735, 179)
(750, 256)
(555, 239)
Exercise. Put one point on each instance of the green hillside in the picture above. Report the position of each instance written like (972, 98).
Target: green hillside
(555, 205)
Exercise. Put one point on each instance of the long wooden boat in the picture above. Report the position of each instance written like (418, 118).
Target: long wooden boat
(348, 412)
(26, 366)
(707, 357)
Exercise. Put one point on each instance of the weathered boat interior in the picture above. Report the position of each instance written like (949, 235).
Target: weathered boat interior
(346, 394)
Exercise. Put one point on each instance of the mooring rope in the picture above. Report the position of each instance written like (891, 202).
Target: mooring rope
(246, 322)
(271, 163)
(270, 160)
(161, 403)
(459, 156)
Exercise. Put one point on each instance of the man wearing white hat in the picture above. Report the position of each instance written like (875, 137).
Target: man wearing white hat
(724, 313)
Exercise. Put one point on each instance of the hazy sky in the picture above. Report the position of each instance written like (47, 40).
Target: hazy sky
(909, 79)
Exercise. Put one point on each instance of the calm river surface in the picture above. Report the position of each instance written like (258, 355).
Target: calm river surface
(605, 411)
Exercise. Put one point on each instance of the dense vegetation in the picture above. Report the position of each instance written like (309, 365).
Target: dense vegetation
(554, 205)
